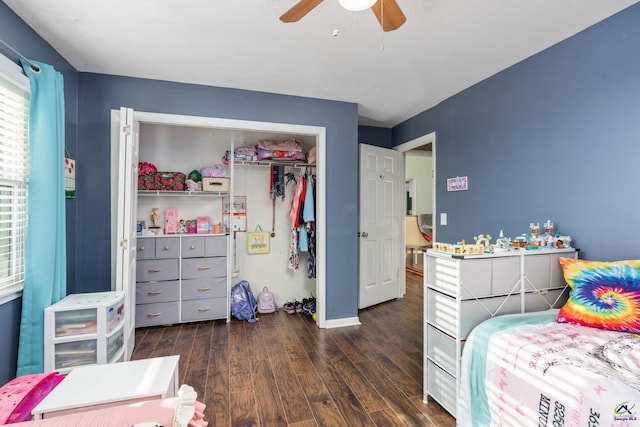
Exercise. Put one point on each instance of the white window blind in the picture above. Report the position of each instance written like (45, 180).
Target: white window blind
(14, 175)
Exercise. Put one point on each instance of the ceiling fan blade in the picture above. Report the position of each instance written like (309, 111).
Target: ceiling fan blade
(299, 10)
(389, 14)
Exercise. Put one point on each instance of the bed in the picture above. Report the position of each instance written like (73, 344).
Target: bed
(577, 366)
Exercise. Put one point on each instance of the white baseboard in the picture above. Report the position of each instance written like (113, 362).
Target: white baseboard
(339, 323)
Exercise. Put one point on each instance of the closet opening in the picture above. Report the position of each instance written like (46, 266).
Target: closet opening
(177, 143)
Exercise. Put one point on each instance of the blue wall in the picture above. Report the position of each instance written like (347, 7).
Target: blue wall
(23, 39)
(377, 136)
(101, 93)
(556, 136)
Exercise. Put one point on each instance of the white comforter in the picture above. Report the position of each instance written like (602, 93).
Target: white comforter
(544, 373)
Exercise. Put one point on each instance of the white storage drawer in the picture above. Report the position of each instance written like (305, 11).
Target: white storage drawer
(442, 387)
(204, 309)
(152, 270)
(441, 348)
(76, 353)
(157, 314)
(442, 311)
(210, 287)
(152, 292)
(544, 271)
(196, 268)
(534, 301)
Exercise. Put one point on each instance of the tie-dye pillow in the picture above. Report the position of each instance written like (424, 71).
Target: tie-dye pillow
(604, 295)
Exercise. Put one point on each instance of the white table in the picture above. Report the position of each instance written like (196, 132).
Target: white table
(100, 386)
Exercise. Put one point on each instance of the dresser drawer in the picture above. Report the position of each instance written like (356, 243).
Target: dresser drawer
(145, 248)
(193, 247)
(210, 287)
(442, 387)
(215, 246)
(167, 247)
(157, 314)
(441, 348)
(204, 309)
(153, 292)
(443, 312)
(196, 268)
(152, 270)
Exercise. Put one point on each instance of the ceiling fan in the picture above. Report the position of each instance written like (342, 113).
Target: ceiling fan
(388, 12)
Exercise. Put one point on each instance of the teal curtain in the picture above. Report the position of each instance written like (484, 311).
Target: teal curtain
(45, 251)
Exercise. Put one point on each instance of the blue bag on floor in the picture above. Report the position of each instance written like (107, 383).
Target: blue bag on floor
(243, 302)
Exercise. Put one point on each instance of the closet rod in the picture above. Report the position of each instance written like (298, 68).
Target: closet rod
(33, 66)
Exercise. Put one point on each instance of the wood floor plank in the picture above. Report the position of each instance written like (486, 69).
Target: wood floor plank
(408, 385)
(405, 410)
(308, 423)
(324, 408)
(244, 411)
(217, 396)
(348, 404)
(386, 418)
(294, 401)
(269, 404)
(184, 343)
(361, 387)
(239, 360)
(197, 370)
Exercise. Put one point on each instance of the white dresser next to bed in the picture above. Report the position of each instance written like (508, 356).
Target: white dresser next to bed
(461, 291)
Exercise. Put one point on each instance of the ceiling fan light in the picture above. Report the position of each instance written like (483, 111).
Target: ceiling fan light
(356, 5)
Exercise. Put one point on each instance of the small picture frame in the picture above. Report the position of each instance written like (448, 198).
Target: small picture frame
(258, 241)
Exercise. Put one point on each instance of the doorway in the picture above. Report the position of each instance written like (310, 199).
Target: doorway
(420, 175)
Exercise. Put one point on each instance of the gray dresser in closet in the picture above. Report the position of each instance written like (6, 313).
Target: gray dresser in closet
(181, 278)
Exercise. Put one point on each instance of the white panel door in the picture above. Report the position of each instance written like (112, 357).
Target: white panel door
(380, 225)
(126, 224)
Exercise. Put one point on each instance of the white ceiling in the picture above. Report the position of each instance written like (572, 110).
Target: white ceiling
(444, 47)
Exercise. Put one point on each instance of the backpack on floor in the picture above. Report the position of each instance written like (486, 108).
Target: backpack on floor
(243, 303)
(266, 301)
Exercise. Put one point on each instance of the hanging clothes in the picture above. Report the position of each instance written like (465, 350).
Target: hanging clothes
(293, 261)
(294, 213)
(311, 262)
(308, 215)
(310, 225)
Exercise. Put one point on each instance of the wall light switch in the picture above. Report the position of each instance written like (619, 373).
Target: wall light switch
(443, 218)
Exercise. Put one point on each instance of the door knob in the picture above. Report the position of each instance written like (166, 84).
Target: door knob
(365, 234)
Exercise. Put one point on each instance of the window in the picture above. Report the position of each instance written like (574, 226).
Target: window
(14, 176)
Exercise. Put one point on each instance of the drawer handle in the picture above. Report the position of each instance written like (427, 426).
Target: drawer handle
(204, 289)
(153, 314)
(193, 246)
(141, 248)
(154, 292)
(166, 248)
(155, 270)
(204, 308)
(204, 267)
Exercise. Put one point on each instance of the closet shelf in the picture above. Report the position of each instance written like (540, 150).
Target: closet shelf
(182, 193)
(275, 163)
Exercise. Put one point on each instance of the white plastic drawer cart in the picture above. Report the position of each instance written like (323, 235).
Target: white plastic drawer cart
(84, 329)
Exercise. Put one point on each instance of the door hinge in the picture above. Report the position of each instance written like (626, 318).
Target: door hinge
(126, 129)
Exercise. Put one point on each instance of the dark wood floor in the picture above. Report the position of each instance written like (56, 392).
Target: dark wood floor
(285, 371)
